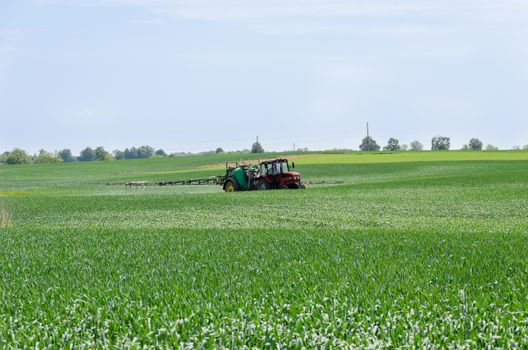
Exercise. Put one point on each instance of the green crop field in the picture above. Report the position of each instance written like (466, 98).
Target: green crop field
(425, 250)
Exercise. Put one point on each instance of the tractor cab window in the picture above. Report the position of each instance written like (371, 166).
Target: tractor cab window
(263, 169)
(277, 168)
(284, 167)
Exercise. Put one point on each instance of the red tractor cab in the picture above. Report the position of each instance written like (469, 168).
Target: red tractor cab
(276, 174)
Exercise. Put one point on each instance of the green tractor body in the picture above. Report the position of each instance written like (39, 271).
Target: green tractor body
(239, 175)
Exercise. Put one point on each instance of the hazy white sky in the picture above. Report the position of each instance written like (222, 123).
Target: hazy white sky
(194, 75)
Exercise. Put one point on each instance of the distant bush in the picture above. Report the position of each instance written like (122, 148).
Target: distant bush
(17, 156)
(219, 150)
(416, 146)
(46, 157)
(440, 143)
(369, 144)
(118, 155)
(145, 152)
(392, 145)
(87, 155)
(257, 148)
(66, 155)
(160, 153)
(475, 145)
(491, 148)
(3, 157)
(102, 154)
(141, 152)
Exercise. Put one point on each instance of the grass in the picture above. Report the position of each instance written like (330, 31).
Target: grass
(419, 252)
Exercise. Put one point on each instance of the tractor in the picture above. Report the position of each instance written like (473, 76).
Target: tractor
(267, 175)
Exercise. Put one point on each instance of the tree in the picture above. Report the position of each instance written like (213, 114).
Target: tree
(131, 153)
(145, 152)
(102, 154)
(118, 155)
(46, 157)
(440, 143)
(392, 145)
(257, 148)
(87, 155)
(465, 147)
(525, 147)
(404, 147)
(18, 156)
(161, 153)
(3, 157)
(66, 155)
(416, 146)
(491, 148)
(475, 145)
(219, 150)
(368, 144)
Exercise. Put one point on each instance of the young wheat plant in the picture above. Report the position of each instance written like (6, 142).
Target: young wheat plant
(5, 217)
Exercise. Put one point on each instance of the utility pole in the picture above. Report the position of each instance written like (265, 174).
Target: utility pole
(294, 146)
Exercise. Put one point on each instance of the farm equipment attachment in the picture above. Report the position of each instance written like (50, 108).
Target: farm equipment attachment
(266, 175)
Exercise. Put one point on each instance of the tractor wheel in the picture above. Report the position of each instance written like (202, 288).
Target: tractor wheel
(283, 187)
(262, 185)
(302, 186)
(230, 186)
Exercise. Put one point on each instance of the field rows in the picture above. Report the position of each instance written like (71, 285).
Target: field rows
(404, 254)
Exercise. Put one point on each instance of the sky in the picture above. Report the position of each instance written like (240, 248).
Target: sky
(193, 75)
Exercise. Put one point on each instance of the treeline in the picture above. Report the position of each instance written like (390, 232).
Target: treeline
(19, 156)
(438, 143)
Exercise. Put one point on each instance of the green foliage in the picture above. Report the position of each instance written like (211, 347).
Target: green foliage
(17, 156)
(368, 144)
(416, 146)
(257, 148)
(3, 157)
(131, 153)
(102, 154)
(392, 145)
(491, 148)
(118, 155)
(145, 152)
(46, 157)
(440, 143)
(219, 150)
(141, 152)
(160, 153)
(475, 145)
(87, 155)
(402, 250)
(66, 155)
